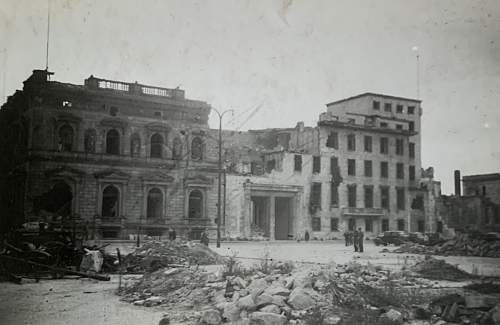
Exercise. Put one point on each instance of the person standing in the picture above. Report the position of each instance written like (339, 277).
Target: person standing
(346, 236)
(355, 240)
(361, 236)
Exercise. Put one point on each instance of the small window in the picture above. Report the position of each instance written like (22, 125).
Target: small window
(368, 143)
(113, 111)
(297, 163)
(316, 164)
(384, 145)
(351, 167)
(400, 173)
(411, 110)
(384, 169)
(333, 140)
(399, 126)
(400, 198)
(334, 224)
(368, 225)
(384, 197)
(411, 126)
(316, 194)
(368, 168)
(387, 107)
(376, 105)
(368, 196)
(157, 114)
(334, 194)
(399, 109)
(351, 142)
(66, 135)
(316, 224)
(384, 125)
(334, 166)
(411, 173)
(385, 224)
(399, 147)
(351, 195)
(411, 149)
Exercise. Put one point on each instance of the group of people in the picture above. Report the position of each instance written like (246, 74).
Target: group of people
(355, 238)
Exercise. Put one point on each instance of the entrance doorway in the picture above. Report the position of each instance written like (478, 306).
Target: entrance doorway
(260, 215)
(283, 217)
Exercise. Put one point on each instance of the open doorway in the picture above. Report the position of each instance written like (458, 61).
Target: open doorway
(260, 215)
(283, 218)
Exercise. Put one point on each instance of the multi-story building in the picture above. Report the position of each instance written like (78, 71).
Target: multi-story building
(120, 157)
(359, 167)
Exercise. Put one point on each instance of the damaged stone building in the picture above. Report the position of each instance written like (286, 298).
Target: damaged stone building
(120, 158)
(359, 167)
(476, 209)
(126, 158)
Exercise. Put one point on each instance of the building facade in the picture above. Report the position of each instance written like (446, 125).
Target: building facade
(360, 167)
(121, 158)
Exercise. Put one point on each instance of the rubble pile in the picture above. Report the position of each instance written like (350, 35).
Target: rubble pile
(462, 245)
(155, 255)
(434, 269)
(312, 295)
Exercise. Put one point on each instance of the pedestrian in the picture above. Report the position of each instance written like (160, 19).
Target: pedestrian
(346, 236)
(306, 236)
(361, 236)
(349, 237)
(355, 240)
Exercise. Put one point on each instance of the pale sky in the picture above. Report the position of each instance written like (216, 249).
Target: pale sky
(279, 62)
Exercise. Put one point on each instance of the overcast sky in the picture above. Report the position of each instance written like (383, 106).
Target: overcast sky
(279, 62)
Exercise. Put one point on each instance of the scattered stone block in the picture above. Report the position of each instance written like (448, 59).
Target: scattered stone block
(300, 299)
(267, 318)
(211, 317)
(271, 309)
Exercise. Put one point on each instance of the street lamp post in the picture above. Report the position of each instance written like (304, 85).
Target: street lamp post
(219, 173)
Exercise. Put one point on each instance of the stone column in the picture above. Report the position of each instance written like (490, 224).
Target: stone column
(272, 217)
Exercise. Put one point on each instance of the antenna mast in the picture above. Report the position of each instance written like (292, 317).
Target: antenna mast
(48, 36)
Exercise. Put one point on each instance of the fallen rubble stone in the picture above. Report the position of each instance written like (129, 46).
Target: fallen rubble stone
(271, 309)
(231, 312)
(267, 318)
(300, 299)
(480, 301)
(393, 315)
(211, 317)
(247, 303)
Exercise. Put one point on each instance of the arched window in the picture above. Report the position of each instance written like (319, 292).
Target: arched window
(155, 204)
(113, 142)
(65, 138)
(135, 146)
(195, 204)
(110, 202)
(177, 149)
(197, 149)
(89, 141)
(156, 146)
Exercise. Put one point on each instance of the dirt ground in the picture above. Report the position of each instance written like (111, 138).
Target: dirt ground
(82, 301)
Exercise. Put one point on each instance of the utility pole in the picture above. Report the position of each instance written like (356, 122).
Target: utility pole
(219, 173)
(415, 49)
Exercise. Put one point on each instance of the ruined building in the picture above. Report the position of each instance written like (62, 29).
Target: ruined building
(127, 158)
(477, 208)
(359, 167)
(119, 157)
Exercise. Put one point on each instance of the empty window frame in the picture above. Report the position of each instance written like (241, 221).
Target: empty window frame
(387, 107)
(351, 142)
(316, 223)
(368, 168)
(368, 196)
(376, 105)
(316, 194)
(351, 167)
(297, 163)
(411, 149)
(368, 143)
(316, 164)
(400, 198)
(351, 195)
(384, 169)
(334, 224)
(384, 197)
(399, 147)
(411, 110)
(332, 141)
(384, 145)
(411, 172)
(368, 225)
(400, 171)
(399, 108)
